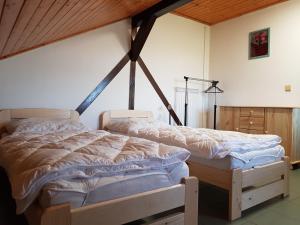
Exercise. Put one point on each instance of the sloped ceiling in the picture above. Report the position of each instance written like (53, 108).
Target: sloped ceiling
(28, 24)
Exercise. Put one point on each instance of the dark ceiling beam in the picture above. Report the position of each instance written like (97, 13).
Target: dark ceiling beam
(102, 85)
(159, 91)
(157, 10)
(132, 85)
(140, 38)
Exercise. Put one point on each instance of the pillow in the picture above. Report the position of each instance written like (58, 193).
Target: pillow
(119, 125)
(128, 125)
(42, 125)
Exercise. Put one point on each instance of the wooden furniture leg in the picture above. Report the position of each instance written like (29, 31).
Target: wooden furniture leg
(191, 200)
(235, 195)
(286, 176)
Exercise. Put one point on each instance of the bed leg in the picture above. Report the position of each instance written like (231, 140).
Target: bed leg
(57, 215)
(235, 195)
(286, 176)
(191, 201)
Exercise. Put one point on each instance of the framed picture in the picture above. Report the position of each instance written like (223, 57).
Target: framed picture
(259, 43)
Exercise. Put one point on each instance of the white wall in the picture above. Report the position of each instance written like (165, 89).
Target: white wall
(258, 82)
(62, 74)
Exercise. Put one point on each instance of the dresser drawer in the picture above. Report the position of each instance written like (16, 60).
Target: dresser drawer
(254, 112)
(252, 123)
(252, 131)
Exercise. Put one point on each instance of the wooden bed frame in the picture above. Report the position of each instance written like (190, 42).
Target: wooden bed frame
(246, 188)
(117, 211)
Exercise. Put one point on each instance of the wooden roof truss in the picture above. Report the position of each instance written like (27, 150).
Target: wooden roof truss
(142, 24)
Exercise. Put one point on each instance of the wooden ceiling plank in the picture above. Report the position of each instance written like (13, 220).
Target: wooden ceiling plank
(78, 19)
(8, 19)
(115, 13)
(37, 17)
(239, 9)
(23, 19)
(75, 20)
(69, 16)
(53, 41)
(92, 17)
(158, 10)
(61, 16)
(55, 19)
(52, 12)
(216, 11)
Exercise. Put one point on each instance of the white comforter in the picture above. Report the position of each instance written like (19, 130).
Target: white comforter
(206, 143)
(31, 159)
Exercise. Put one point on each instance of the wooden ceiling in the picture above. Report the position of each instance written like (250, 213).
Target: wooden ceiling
(28, 24)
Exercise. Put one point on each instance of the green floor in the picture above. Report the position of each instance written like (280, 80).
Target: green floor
(213, 207)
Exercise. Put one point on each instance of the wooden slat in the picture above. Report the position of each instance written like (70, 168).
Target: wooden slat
(23, 19)
(131, 208)
(212, 12)
(75, 19)
(264, 174)
(92, 19)
(55, 20)
(253, 197)
(64, 14)
(43, 113)
(34, 21)
(211, 175)
(51, 13)
(8, 19)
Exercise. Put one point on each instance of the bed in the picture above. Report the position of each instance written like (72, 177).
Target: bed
(62, 200)
(248, 184)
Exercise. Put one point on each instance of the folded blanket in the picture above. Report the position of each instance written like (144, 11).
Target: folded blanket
(206, 143)
(32, 159)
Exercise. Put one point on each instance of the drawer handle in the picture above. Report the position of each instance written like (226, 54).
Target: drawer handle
(237, 129)
(251, 122)
(266, 132)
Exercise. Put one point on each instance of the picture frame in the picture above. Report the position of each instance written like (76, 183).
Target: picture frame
(259, 43)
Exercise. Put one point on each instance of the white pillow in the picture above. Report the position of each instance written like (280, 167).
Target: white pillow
(42, 125)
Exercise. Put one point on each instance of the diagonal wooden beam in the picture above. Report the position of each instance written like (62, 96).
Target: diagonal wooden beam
(157, 10)
(140, 38)
(102, 85)
(132, 85)
(158, 91)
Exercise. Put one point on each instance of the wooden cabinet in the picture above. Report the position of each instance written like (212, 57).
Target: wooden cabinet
(284, 122)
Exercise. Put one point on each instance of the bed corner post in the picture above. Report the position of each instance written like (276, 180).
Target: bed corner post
(191, 201)
(235, 195)
(286, 176)
(57, 215)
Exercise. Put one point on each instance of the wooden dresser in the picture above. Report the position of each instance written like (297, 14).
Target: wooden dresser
(284, 122)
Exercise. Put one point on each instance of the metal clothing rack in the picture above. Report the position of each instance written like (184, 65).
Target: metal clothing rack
(211, 89)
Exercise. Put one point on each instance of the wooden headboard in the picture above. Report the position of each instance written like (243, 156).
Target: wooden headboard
(120, 114)
(7, 115)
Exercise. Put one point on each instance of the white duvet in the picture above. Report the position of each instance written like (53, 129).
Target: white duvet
(206, 143)
(34, 157)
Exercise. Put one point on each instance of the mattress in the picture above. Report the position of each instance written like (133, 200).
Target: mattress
(206, 143)
(84, 192)
(254, 159)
